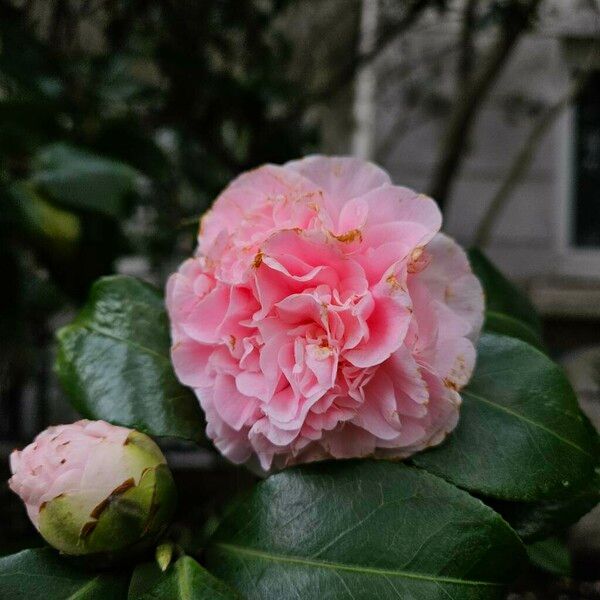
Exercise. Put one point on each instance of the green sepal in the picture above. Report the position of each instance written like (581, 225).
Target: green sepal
(133, 516)
(59, 523)
(124, 520)
(147, 445)
(164, 555)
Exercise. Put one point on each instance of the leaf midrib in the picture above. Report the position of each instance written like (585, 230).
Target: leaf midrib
(526, 420)
(130, 343)
(184, 583)
(334, 566)
(89, 585)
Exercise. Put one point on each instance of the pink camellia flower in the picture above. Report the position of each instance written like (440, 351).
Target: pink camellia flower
(91, 487)
(324, 316)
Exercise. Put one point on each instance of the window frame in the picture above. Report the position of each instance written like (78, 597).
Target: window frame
(573, 260)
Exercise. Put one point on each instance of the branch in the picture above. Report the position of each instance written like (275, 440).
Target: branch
(524, 157)
(469, 102)
(467, 50)
(347, 74)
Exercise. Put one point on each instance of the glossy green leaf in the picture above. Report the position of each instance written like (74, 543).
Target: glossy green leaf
(537, 520)
(184, 580)
(521, 434)
(363, 530)
(551, 555)
(82, 180)
(501, 323)
(501, 295)
(41, 574)
(114, 363)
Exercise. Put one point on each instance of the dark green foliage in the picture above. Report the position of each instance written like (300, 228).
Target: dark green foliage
(551, 555)
(41, 574)
(521, 434)
(363, 529)
(114, 362)
(536, 520)
(184, 580)
(112, 143)
(504, 299)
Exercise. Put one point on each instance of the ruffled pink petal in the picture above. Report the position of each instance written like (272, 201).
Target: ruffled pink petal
(190, 360)
(387, 326)
(324, 316)
(379, 415)
(204, 321)
(348, 442)
(450, 279)
(234, 408)
(410, 389)
(353, 216)
(340, 177)
(454, 361)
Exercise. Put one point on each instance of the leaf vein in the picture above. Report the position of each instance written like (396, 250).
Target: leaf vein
(112, 336)
(526, 420)
(260, 554)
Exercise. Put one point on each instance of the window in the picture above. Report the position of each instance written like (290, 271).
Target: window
(585, 225)
(579, 197)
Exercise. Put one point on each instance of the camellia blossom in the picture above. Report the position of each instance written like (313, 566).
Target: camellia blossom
(323, 315)
(91, 487)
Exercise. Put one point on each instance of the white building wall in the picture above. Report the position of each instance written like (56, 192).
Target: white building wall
(524, 242)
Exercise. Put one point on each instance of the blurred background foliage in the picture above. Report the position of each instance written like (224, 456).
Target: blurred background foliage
(119, 123)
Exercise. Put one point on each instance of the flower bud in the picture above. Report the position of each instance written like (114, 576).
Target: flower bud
(94, 488)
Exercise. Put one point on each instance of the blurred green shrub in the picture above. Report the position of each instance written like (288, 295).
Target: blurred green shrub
(119, 122)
